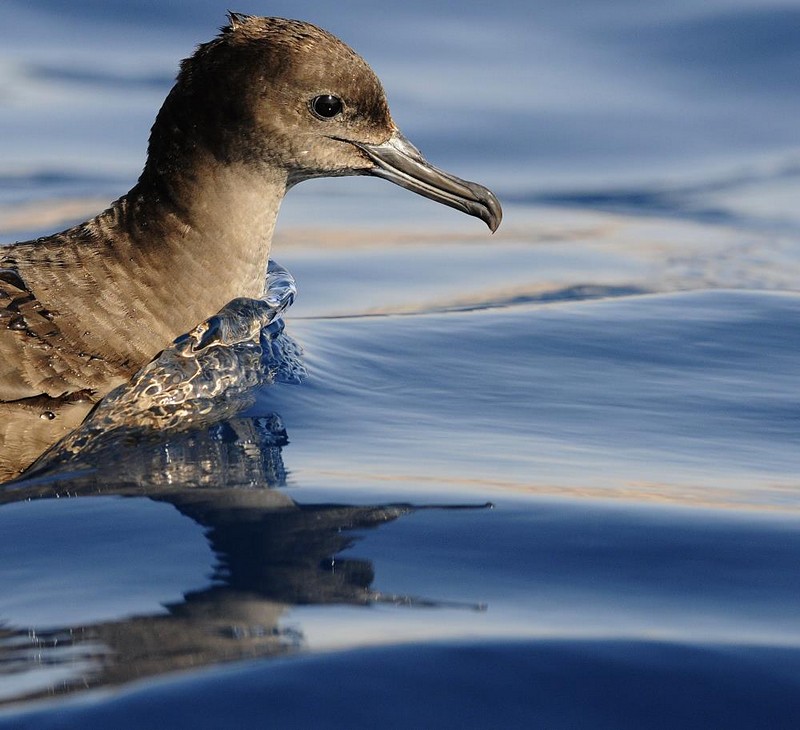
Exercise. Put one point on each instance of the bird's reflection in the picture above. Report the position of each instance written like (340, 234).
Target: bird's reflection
(272, 553)
(225, 473)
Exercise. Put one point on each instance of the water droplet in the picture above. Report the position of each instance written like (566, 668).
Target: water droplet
(17, 322)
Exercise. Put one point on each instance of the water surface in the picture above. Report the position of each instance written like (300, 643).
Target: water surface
(614, 372)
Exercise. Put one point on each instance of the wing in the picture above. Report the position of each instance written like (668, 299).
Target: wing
(35, 357)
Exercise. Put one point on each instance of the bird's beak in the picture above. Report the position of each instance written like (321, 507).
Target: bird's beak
(402, 163)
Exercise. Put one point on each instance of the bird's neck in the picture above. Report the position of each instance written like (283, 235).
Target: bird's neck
(208, 228)
(174, 250)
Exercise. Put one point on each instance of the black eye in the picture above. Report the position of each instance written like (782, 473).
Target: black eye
(326, 106)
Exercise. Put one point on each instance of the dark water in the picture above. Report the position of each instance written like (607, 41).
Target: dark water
(543, 479)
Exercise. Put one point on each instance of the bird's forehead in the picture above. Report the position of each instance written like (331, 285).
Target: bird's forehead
(327, 64)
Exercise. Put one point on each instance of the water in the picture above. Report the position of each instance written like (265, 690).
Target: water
(614, 371)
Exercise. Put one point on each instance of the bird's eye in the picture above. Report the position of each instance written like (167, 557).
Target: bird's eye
(326, 106)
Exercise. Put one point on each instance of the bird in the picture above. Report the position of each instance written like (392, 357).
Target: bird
(266, 104)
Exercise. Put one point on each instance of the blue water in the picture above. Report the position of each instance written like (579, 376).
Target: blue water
(615, 371)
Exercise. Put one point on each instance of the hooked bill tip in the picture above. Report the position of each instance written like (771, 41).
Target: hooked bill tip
(484, 205)
(494, 212)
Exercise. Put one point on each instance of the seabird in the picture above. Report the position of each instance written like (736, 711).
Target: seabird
(268, 103)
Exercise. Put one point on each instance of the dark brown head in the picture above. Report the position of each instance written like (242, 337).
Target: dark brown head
(293, 99)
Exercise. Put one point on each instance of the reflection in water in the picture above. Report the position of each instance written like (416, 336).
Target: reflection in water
(271, 554)
(171, 434)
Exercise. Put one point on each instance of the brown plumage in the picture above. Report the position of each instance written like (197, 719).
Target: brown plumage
(268, 103)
